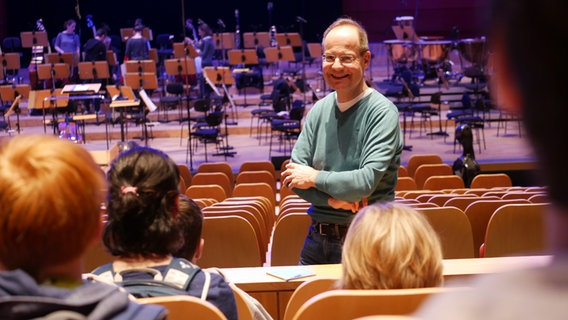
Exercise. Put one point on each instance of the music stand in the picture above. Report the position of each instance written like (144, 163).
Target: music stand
(243, 57)
(126, 33)
(122, 97)
(182, 50)
(32, 39)
(183, 67)
(140, 66)
(255, 39)
(11, 93)
(403, 29)
(52, 71)
(54, 98)
(94, 70)
(276, 54)
(224, 41)
(66, 57)
(221, 76)
(289, 39)
(9, 61)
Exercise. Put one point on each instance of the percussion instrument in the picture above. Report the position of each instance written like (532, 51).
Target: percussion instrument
(473, 50)
(434, 52)
(401, 52)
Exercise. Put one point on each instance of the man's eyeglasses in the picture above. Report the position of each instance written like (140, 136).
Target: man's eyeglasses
(345, 59)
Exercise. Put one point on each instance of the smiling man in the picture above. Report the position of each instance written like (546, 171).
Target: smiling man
(348, 153)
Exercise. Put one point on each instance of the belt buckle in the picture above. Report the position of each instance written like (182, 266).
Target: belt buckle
(320, 225)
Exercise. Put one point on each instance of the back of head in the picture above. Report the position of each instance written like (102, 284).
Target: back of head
(532, 73)
(142, 204)
(391, 246)
(190, 221)
(205, 29)
(51, 195)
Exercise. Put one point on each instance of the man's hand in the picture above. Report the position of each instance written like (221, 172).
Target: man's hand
(299, 176)
(340, 204)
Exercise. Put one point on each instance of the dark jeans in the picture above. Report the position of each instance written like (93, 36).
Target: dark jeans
(320, 249)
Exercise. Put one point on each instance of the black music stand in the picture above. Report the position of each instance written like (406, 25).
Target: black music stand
(243, 57)
(221, 77)
(255, 39)
(11, 93)
(183, 67)
(9, 61)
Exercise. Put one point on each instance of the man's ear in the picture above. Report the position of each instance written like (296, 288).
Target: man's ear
(367, 58)
(198, 251)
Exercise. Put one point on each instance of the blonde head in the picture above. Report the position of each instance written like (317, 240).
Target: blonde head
(51, 192)
(362, 34)
(391, 246)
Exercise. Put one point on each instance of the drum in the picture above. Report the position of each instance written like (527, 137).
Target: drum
(401, 52)
(435, 52)
(473, 50)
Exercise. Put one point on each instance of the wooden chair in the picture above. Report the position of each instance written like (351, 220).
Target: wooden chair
(425, 171)
(213, 191)
(230, 242)
(441, 199)
(405, 183)
(261, 204)
(284, 192)
(255, 189)
(306, 291)
(413, 194)
(257, 176)
(478, 191)
(454, 230)
(402, 171)
(350, 304)
(179, 307)
(479, 212)
(224, 167)
(516, 229)
(416, 160)
(518, 195)
(443, 182)
(540, 198)
(490, 180)
(218, 178)
(422, 205)
(96, 256)
(185, 173)
(247, 213)
(257, 166)
(243, 309)
(288, 239)
(465, 200)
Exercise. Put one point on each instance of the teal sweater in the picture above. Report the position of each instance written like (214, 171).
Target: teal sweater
(358, 152)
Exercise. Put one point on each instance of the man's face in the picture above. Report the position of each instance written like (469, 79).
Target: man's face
(345, 73)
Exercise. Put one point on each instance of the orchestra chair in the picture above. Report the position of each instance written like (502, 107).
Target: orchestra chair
(425, 171)
(453, 228)
(231, 242)
(222, 166)
(218, 178)
(350, 304)
(479, 213)
(288, 238)
(213, 191)
(491, 180)
(442, 182)
(516, 229)
(180, 306)
(416, 160)
(305, 292)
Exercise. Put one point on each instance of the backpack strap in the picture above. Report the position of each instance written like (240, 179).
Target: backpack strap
(206, 285)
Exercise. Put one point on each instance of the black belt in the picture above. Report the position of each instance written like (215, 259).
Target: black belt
(330, 229)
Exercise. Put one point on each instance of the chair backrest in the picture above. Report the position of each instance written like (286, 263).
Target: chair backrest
(454, 230)
(441, 199)
(297, 112)
(306, 291)
(350, 304)
(255, 189)
(416, 160)
(443, 182)
(424, 171)
(243, 309)
(491, 180)
(402, 171)
(185, 173)
(539, 198)
(179, 307)
(257, 176)
(414, 194)
(213, 191)
(516, 229)
(405, 183)
(257, 166)
(218, 178)
(479, 212)
(288, 239)
(224, 167)
(461, 202)
(230, 242)
(202, 105)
